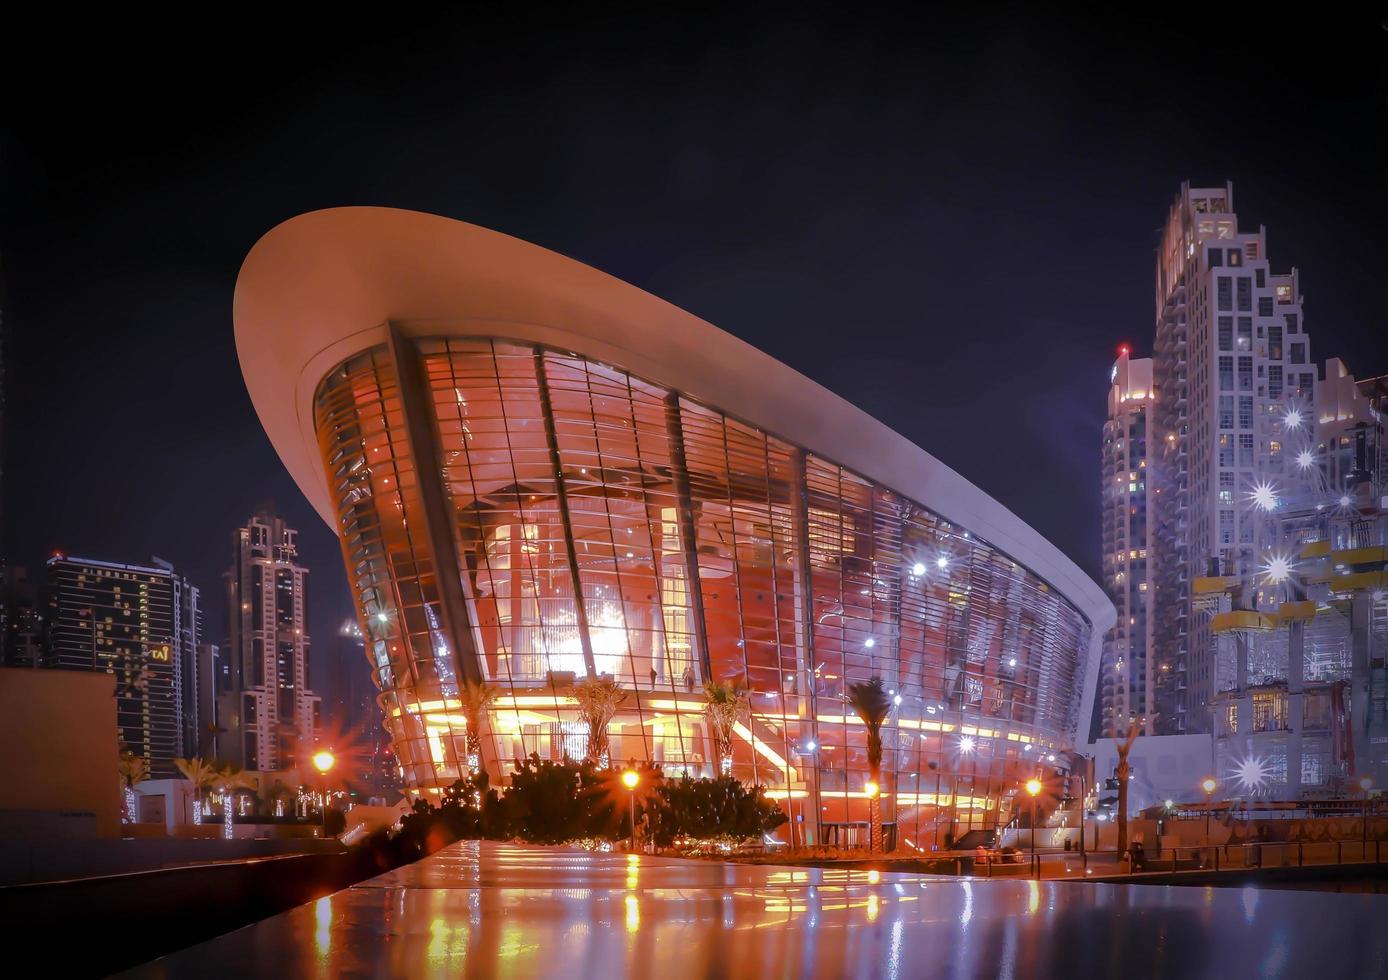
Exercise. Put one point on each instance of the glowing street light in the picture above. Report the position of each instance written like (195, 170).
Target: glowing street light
(1033, 789)
(1209, 784)
(631, 779)
(323, 760)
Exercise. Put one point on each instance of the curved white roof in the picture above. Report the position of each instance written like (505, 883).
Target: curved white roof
(320, 287)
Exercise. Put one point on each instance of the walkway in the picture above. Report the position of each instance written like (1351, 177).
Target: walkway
(501, 910)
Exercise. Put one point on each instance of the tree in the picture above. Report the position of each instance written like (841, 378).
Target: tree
(725, 705)
(200, 775)
(227, 781)
(598, 700)
(1124, 772)
(132, 770)
(871, 702)
(477, 697)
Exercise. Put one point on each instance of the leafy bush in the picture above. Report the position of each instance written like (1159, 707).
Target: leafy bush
(719, 809)
(559, 802)
(555, 802)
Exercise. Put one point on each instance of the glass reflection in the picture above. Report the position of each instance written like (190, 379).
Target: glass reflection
(604, 525)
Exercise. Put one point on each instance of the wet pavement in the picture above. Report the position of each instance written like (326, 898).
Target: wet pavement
(502, 910)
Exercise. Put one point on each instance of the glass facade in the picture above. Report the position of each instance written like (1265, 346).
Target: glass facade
(602, 525)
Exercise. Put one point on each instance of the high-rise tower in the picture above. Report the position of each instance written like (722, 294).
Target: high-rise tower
(1232, 368)
(141, 623)
(271, 715)
(1125, 679)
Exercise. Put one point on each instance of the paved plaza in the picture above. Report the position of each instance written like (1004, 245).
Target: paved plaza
(501, 910)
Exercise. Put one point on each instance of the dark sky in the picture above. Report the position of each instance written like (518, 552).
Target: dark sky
(947, 219)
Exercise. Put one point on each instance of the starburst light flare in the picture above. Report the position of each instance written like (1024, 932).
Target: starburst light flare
(1264, 496)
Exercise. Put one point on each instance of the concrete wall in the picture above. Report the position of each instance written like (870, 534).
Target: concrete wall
(59, 730)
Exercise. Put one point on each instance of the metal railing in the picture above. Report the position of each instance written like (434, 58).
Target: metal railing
(1258, 855)
(1205, 858)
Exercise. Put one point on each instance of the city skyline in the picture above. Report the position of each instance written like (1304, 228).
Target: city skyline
(761, 245)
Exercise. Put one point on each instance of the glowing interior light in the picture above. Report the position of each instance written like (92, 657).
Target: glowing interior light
(1305, 459)
(1293, 419)
(1012, 662)
(966, 743)
(1264, 496)
(1344, 501)
(869, 643)
(381, 617)
(897, 699)
(1278, 568)
(810, 746)
(918, 568)
(942, 562)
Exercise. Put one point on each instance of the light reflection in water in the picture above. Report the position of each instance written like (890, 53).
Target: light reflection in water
(633, 913)
(894, 953)
(323, 914)
(1250, 903)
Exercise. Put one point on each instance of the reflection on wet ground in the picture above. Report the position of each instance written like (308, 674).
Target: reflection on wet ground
(486, 909)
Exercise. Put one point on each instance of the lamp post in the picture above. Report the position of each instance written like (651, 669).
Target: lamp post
(323, 761)
(1033, 788)
(631, 779)
(1209, 784)
(1366, 783)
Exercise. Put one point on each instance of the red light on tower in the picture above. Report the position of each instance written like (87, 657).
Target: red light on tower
(1124, 350)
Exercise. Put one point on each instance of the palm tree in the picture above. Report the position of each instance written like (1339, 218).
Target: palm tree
(133, 770)
(598, 700)
(476, 697)
(227, 781)
(726, 704)
(200, 775)
(1124, 773)
(871, 702)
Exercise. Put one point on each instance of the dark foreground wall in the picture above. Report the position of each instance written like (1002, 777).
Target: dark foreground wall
(94, 926)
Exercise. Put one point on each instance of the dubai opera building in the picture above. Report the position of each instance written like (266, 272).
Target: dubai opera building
(495, 431)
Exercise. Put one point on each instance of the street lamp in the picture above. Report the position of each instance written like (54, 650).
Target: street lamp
(1033, 788)
(1366, 783)
(1209, 784)
(323, 760)
(631, 779)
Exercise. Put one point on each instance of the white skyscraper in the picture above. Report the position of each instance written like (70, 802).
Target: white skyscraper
(271, 715)
(1233, 375)
(1125, 678)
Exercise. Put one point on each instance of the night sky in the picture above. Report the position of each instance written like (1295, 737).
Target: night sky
(948, 220)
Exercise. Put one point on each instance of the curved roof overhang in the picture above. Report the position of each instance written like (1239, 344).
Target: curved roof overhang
(322, 286)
